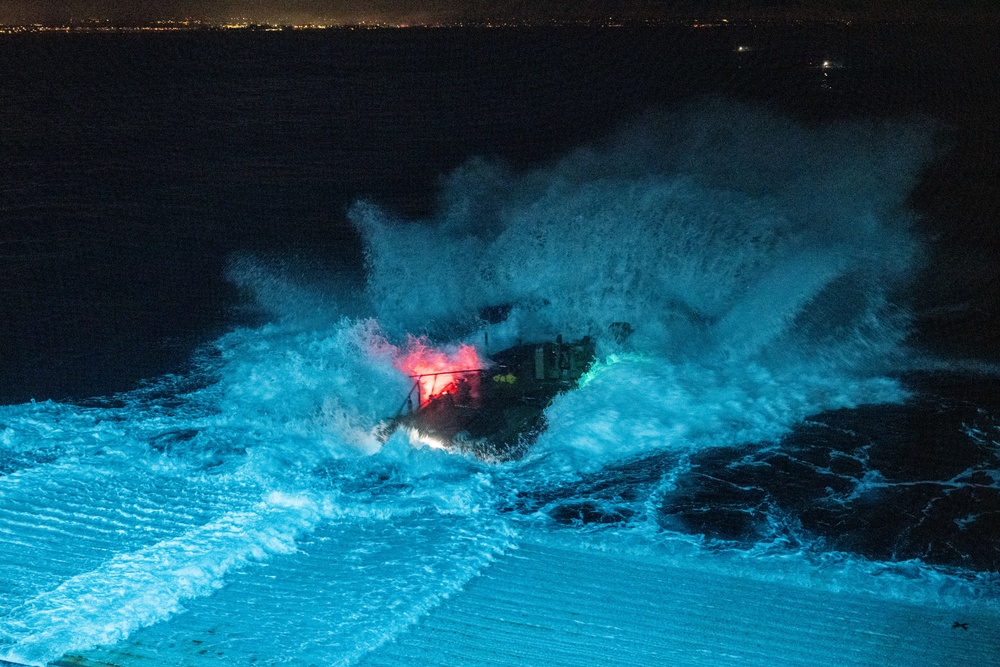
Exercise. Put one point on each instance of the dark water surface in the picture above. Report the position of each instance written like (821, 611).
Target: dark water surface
(133, 169)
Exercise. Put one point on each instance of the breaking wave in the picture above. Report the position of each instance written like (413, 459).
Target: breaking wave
(759, 264)
(721, 233)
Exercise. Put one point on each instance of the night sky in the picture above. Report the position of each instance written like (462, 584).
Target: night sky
(26, 11)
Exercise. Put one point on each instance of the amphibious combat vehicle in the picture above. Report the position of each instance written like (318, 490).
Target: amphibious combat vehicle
(496, 411)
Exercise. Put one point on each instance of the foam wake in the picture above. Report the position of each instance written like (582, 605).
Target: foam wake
(136, 589)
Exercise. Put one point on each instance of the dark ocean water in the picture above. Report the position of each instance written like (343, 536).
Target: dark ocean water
(134, 168)
(178, 215)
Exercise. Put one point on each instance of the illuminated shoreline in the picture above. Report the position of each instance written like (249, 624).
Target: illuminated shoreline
(245, 25)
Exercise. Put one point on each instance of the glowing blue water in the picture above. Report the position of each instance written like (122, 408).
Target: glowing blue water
(758, 263)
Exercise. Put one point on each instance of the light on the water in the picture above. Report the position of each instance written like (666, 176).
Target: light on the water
(418, 439)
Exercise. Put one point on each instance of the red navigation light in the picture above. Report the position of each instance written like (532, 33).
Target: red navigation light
(438, 372)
